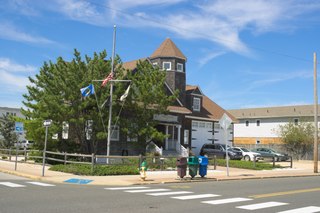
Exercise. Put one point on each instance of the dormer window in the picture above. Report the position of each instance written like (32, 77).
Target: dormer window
(179, 67)
(166, 65)
(196, 104)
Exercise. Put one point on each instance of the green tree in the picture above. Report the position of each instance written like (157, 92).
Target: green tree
(7, 130)
(297, 138)
(55, 94)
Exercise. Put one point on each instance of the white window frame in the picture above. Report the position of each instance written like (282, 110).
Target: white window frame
(166, 62)
(196, 104)
(179, 64)
(296, 121)
(186, 136)
(155, 64)
(247, 122)
(115, 133)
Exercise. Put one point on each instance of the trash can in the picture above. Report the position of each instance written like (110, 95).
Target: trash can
(193, 163)
(203, 165)
(181, 166)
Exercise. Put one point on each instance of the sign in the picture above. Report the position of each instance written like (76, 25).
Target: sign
(65, 130)
(19, 127)
(225, 121)
(165, 118)
(47, 123)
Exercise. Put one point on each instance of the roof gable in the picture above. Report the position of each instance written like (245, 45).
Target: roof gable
(168, 49)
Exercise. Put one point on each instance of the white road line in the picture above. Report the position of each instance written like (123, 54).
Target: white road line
(170, 193)
(309, 209)
(9, 184)
(40, 184)
(148, 190)
(228, 200)
(190, 197)
(261, 205)
(126, 188)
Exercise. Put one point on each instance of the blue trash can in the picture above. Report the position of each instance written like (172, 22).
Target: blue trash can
(203, 164)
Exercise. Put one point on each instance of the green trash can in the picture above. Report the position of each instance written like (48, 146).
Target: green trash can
(193, 164)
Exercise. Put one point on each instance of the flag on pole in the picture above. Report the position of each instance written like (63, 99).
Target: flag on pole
(125, 94)
(86, 91)
(108, 78)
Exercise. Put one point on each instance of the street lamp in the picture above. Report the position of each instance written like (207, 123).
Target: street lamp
(47, 124)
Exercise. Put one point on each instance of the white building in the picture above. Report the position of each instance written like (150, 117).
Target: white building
(261, 125)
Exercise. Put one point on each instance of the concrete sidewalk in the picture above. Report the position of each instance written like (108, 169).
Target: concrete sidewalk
(34, 171)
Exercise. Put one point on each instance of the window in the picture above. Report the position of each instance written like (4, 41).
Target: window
(258, 122)
(167, 65)
(186, 136)
(179, 67)
(247, 123)
(258, 142)
(296, 121)
(115, 133)
(155, 64)
(196, 104)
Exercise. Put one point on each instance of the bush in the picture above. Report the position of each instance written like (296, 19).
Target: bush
(99, 170)
(245, 164)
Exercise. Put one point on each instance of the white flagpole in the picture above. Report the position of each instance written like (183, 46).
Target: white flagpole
(111, 91)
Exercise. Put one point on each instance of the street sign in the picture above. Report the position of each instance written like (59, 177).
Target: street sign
(47, 123)
(19, 127)
(225, 121)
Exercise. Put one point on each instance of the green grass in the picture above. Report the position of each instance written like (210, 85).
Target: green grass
(245, 164)
(99, 170)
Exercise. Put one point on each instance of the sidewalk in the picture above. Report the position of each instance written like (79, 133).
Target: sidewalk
(34, 171)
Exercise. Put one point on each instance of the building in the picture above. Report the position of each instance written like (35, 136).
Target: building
(194, 119)
(14, 112)
(261, 125)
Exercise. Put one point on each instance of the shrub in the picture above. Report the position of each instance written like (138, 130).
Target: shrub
(245, 164)
(99, 170)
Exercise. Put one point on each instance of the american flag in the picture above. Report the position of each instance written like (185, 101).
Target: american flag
(108, 78)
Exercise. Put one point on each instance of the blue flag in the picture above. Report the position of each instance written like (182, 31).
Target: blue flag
(86, 91)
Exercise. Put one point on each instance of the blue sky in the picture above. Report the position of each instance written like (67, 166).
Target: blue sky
(248, 53)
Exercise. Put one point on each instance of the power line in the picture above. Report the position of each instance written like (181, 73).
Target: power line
(202, 34)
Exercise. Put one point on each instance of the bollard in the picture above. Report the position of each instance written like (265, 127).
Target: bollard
(215, 162)
(274, 161)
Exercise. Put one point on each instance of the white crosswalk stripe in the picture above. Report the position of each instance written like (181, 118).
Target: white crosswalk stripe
(170, 193)
(261, 205)
(13, 185)
(40, 184)
(309, 209)
(228, 200)
(126, 188)
(147, 190)
(190, 197)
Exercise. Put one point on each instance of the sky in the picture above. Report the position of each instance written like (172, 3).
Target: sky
(242, 54)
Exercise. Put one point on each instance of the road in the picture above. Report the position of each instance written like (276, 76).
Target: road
(299, 195)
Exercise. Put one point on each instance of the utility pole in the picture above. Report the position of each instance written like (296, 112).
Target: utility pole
(315, 87)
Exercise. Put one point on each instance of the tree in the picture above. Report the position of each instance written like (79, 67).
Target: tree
(297, 138)
(55, 94)
(7, 130)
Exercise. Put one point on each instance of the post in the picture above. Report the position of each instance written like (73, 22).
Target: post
(315, 87)
(10, 153)
(65, 158)
(254, 161)
(44, 151)
(15, 164)
(92, 162)
(25, 154)
(111, 91)
(215, 162)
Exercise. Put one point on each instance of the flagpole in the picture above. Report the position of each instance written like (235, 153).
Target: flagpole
(111, 91)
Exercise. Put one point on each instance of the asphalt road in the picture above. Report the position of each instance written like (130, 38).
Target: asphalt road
(263, 195)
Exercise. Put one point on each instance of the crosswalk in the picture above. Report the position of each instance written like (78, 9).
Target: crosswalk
(204, 198)
(16, 185)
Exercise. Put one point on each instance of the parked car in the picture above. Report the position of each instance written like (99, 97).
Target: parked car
(24, 144)
(220, 151)
(248, 155)
(267, 152)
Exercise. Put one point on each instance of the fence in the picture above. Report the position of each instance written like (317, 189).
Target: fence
(153, 162)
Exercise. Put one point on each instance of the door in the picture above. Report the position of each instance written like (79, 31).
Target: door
(201, 134)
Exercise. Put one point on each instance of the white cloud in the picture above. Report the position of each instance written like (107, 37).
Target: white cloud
(14, 76)
(10, 32)
(209, 56)
(10, 66)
